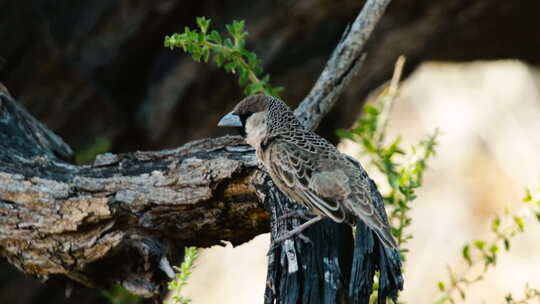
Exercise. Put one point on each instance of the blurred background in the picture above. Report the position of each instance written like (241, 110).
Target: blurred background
(96, 72)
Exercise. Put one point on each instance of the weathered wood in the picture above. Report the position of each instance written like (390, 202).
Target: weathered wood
(342, 66)
(130, 210)
(120, 218)
(126, 216)
(95, 65)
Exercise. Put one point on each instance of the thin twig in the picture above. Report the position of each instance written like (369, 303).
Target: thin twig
(389, 98)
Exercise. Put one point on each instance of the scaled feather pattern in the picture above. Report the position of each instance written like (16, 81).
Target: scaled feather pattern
(312, 172)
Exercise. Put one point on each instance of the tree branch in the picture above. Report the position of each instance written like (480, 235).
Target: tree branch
(58, 218)
(124, 217)
(345, 62)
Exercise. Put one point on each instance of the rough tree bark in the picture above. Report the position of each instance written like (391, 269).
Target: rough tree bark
(126, 217)
(58, 218)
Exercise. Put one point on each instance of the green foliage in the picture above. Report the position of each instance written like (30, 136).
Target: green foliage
(403, 170)
(229, 53)
(530, 294)
(184, 271)
(118, 295)
(484, 253)
(404, 173)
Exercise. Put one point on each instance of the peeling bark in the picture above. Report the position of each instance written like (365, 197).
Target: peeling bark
(127, 211)
(123, 218)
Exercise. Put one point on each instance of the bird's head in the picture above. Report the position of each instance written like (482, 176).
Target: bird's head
(260, 116)
(245, 110)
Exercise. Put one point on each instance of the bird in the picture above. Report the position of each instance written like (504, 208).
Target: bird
(312, 172)
(305, 166)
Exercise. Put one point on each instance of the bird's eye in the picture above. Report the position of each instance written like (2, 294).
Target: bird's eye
(244, 117)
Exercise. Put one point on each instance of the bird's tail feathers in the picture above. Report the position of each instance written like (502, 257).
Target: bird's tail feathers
(386, 237)
(372, 254)
(380, 227)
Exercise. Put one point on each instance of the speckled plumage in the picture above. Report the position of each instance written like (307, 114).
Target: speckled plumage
(308, 168)
(311, 171)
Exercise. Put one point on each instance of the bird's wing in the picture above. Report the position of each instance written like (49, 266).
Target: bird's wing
(299, 171)
(323, 179)
(365, 190)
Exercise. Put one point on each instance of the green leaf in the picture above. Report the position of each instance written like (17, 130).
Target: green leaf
(520, 223)
(230, 29)
(203, 24)
(495, 224)
(344, 134)
(506, 244)
(480, 244)
(215, 37)
(494, 249)
(466, 254)
(230, 67)
(491, 260)
(228, 43)
(371, 110)
(219, 60)
(462, 294)
(528, 196)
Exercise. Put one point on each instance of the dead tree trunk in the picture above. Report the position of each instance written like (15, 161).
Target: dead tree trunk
(126, 216)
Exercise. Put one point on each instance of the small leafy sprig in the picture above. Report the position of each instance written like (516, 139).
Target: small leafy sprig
(403, 176)
(229, 53)
(530, 294)
(484, 253)
(184, 271)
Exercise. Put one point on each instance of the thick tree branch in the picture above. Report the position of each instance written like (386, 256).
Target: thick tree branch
(124, 217)
(58, 218)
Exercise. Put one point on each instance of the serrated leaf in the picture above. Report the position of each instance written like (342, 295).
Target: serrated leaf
(230, 29)
(203, 24)
(215, 37)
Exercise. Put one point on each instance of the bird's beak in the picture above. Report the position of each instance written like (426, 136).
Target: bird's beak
(230, 120)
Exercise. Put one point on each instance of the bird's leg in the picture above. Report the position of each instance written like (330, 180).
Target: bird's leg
(307, 215)
(297, 230)
(301, 213)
